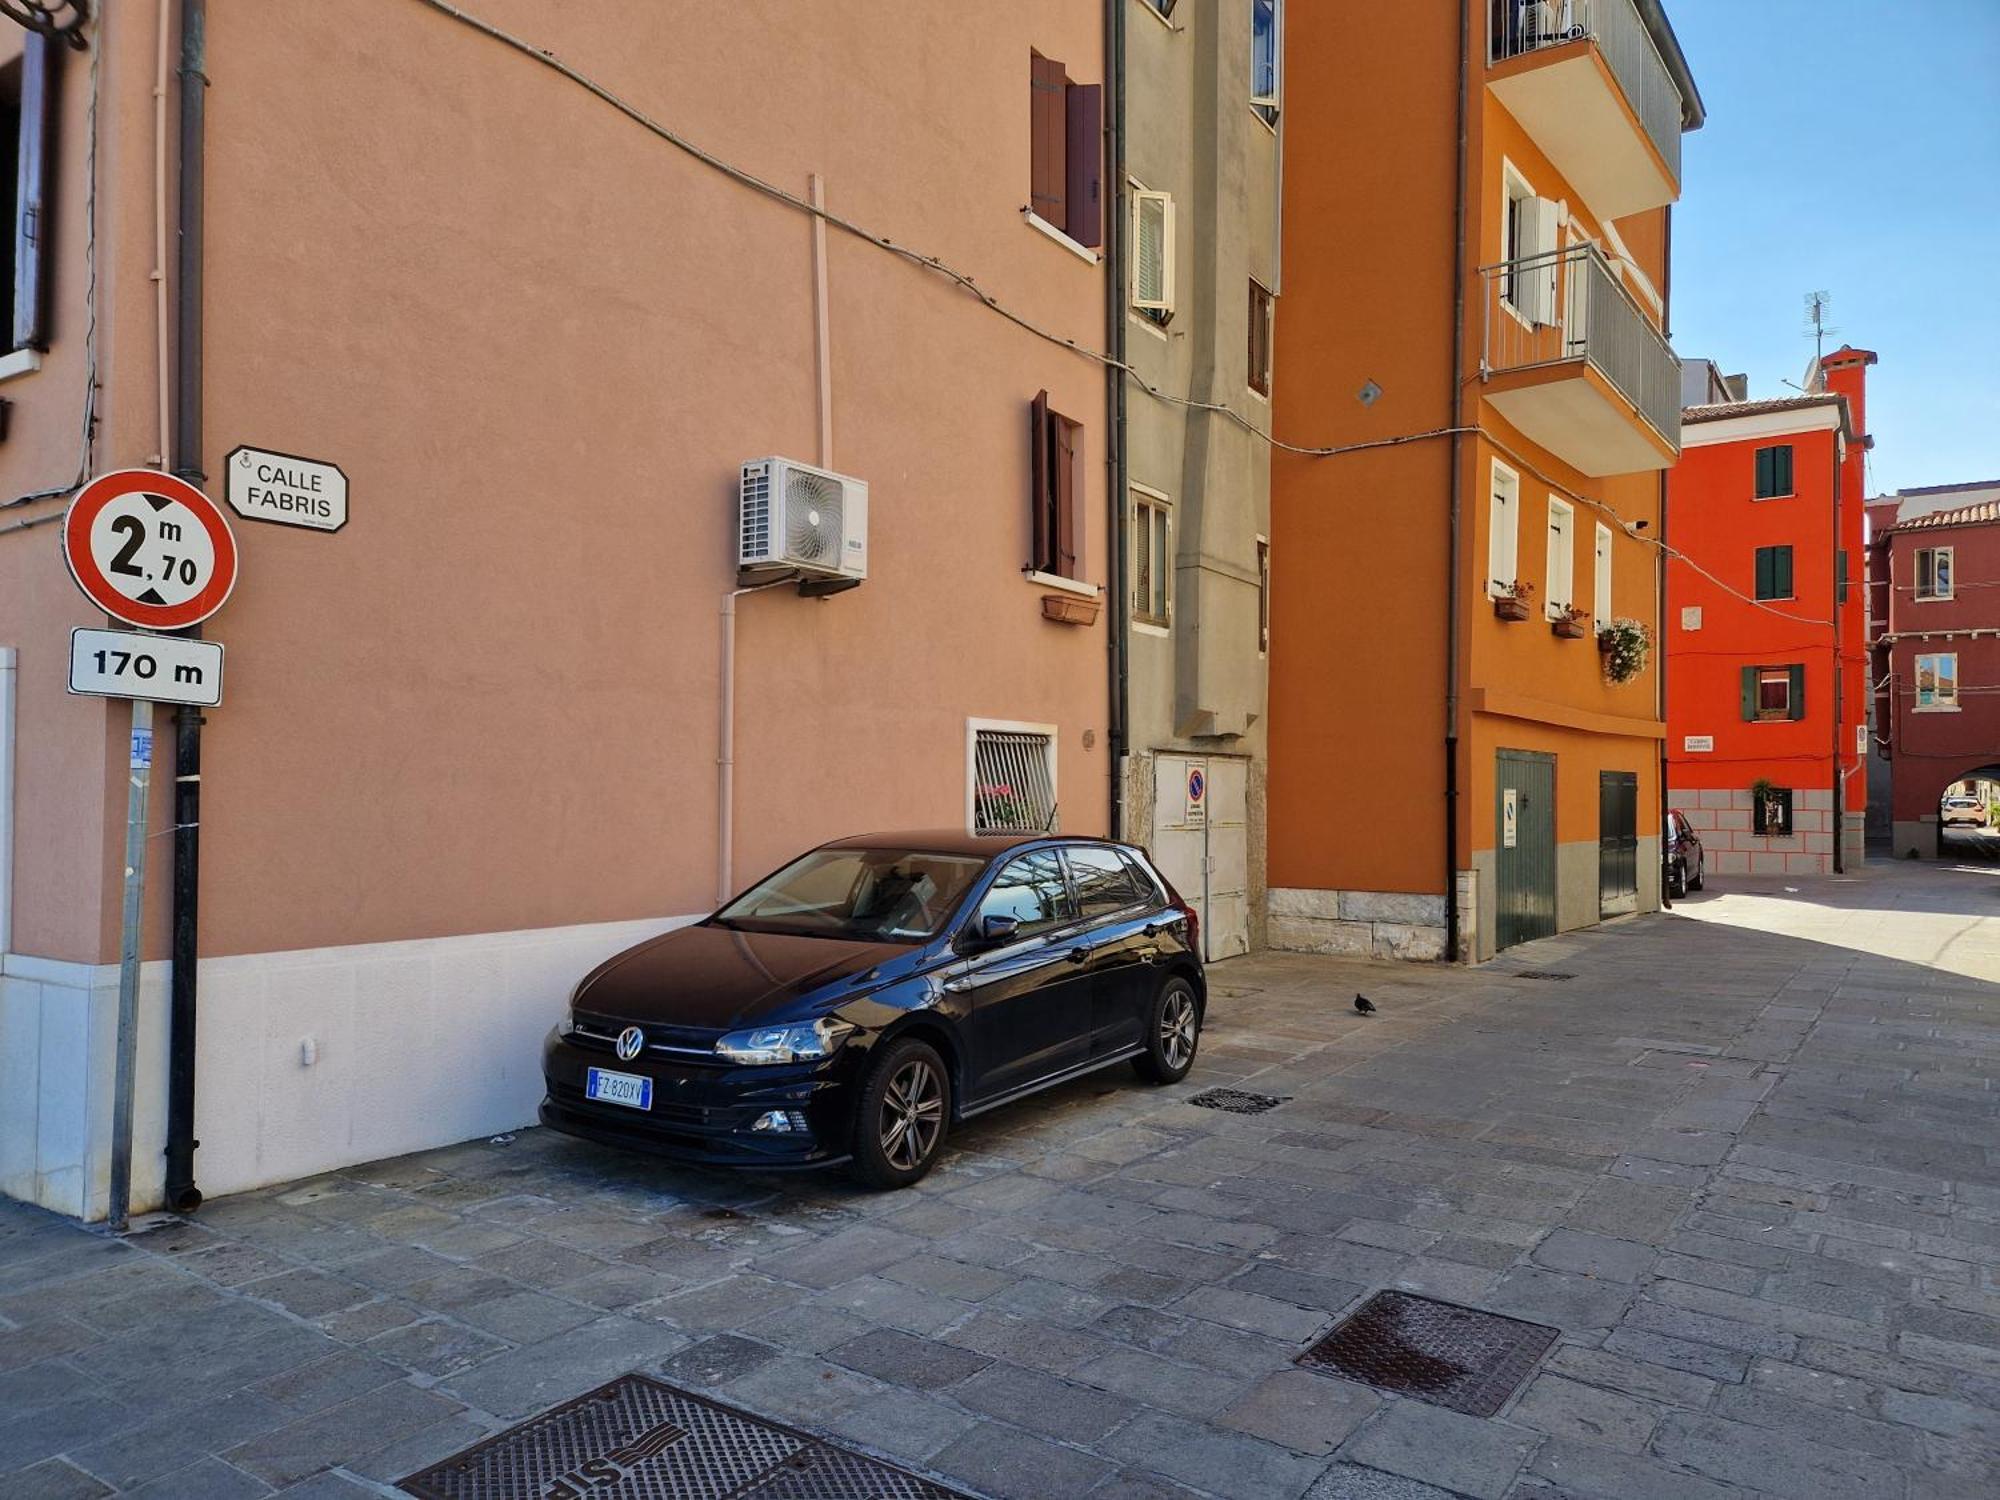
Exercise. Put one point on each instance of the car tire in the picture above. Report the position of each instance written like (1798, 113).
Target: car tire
(902, 1115)
(1677, 881)
(1173, 1032)
(1700, 878)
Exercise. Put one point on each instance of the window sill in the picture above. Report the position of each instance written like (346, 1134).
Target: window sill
(1057, 581)
(1932, 598)
(1141, 320)
(1154, 12)
(1788, 495)
(20, 362)
(1081, 252)
(1147, 627)
(1936, 708)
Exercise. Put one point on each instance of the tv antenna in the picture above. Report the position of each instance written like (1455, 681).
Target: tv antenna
(1817, 327)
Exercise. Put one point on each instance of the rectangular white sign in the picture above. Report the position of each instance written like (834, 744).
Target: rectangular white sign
(158, 668)
(1695, 744)
(1510, 816)
(261, 485)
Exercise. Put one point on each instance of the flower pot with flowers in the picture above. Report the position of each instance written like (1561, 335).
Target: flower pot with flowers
(1626, 644)
(1571, 622)
(1511, 602)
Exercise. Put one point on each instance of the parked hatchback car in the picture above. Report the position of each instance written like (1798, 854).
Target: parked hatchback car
(1687, 864)
(1964, 810)
(860, 1001)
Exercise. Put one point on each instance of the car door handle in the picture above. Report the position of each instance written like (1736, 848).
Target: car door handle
(961, 984)
(1080, 954)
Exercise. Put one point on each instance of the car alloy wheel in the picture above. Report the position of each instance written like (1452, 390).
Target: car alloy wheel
(1177, 1028)
(912, 1115)
(1173, 1031)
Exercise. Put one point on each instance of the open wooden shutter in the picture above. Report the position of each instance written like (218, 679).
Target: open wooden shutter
(1766, 571)
(1798, 692)
(1781, 570)
(1084, 176)
(1047, 87)
(1784, 469)
(1840, 577)
(1749, 694)
(1041, 502)
(1068, 438)
(34, 213)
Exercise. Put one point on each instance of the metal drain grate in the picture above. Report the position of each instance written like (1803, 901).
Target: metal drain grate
(1543, 974)
(1236, 1101)
(1460, 1357)
(641, 1439)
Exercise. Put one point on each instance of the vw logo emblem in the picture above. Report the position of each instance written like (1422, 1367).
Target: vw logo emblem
(631, 1042)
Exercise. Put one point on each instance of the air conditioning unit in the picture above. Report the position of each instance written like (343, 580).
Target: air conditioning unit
(793, 517)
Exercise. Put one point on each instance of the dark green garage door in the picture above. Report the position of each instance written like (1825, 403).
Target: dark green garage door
(1525, 814)
(1617, 842)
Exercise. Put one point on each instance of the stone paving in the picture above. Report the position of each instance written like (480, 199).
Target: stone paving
(1753, 1177)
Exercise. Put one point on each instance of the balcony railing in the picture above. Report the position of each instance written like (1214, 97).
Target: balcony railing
(1569, 305)
(1524, 26)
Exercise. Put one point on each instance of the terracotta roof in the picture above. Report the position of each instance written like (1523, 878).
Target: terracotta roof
(1946, 489)
(1969, 515)
(1722, 411)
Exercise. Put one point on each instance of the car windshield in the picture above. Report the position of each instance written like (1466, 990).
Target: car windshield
(875, 895)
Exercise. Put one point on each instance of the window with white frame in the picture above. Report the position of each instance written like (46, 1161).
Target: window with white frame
(1602, 560)
(1011, 772)
(1503, 533)
(1527, 233)
(1562, 556)
(1152, 557)
(1152, 253)
(1934, 572)
(1937, 680)
(1266, 58)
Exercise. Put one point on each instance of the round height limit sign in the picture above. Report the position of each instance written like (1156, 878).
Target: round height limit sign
(149, 549)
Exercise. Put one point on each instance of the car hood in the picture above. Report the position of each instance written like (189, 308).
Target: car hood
(718, 978)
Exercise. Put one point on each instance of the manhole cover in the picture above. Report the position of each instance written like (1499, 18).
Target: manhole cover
(1453, 1356)
(1235, 1101)
(1542, 974)
(641, 1439)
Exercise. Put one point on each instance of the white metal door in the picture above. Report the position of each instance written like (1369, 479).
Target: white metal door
(1202, 845)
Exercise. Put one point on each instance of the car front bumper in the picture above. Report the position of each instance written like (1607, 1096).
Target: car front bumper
(702, 1112)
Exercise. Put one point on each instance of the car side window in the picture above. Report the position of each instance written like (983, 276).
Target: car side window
(1103, 884)
(1031, 890)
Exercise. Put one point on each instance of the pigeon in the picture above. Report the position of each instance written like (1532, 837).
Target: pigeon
(1364, 1005)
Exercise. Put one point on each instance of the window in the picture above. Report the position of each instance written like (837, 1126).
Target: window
(1840, 576)
(1562, 557)
(27, 130)
(1102, 882)
(1937, 680)
(1774, 471)
(1013, 777)
(1934, 570)
(1772, 693)
(1263, 596)
(1031, 890)
(1503, 537)
(1153, 254)
(1602, 559)
(1152, 558)
(1056, 489)
(1774, 573)
(1260, 340)
(1771, 812)
(870, 895)
(1266, 58)
(1066, 123)
(1527, 233)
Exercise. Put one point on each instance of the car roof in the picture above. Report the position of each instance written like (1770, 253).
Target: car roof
(959, 841)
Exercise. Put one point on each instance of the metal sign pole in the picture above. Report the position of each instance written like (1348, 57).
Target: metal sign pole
(128, 963)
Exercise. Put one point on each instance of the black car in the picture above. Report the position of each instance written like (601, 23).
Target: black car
(1687, 865)
(852, 1006)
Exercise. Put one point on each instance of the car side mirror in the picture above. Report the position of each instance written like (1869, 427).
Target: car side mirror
(995, 930)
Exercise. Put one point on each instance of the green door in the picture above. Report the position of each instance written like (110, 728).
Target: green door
(1525, 817)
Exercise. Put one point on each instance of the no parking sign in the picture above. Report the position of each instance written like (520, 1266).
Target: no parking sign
(1197, 793)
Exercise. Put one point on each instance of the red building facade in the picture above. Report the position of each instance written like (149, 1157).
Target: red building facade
(1936, 662)
(1767, 643)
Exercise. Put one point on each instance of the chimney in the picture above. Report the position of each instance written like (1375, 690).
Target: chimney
(1736, 387)
(1846, 371)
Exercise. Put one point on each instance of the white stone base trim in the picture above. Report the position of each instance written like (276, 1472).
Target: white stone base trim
(1357, 924)
(414, 1044)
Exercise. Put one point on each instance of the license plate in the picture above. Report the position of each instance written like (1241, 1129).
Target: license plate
(628, 1089)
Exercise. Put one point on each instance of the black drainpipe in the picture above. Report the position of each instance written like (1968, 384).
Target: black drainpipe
(1114, 239)
(182, 1196)
(1456, 566)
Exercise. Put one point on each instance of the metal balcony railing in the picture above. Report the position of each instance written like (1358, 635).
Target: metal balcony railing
(1524, 26)
(1569, 304)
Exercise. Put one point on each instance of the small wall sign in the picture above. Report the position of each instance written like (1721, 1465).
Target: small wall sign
(264, 485)
(1698, 744)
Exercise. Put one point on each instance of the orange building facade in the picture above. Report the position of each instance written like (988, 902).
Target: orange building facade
(1456, 765)
(1767, 640)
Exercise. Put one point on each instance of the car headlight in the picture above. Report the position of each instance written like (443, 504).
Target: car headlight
(804, 1041)
(568, 1022)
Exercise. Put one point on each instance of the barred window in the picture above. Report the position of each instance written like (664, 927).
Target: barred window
(1013, 780)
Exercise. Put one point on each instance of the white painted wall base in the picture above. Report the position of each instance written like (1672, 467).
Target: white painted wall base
(1362, 924)
(415, 1044)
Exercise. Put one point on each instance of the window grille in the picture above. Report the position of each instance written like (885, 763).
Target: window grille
(1014, 785)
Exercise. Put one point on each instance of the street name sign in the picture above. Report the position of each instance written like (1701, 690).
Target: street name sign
(159, 668)
(263, 485)
(149, 549)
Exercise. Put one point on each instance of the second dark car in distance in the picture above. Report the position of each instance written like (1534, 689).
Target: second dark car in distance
(857, 1003)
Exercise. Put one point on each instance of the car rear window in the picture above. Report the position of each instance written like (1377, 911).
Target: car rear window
(1104, 884)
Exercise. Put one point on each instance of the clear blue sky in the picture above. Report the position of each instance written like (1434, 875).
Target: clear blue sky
(1853, 149)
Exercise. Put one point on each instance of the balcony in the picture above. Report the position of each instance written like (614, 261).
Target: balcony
(1586, 81)
(1570, 359)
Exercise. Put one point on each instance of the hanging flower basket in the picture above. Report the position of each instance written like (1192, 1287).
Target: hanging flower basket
(1511, 603)
(1572, 624)
(1627, 644)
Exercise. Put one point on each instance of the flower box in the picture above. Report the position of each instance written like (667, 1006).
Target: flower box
(1570, 627)
(1070, 609)
(1507, 607)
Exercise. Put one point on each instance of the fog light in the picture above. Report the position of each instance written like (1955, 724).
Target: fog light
(781, 1122)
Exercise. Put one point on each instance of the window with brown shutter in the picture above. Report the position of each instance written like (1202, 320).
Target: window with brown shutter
(1055, 491)
(1260, 340)
(27, 138)
(1066, 128)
